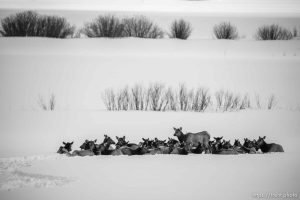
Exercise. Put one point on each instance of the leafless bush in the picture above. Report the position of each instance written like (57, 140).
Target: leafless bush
(104, 26)
(273, 32)
(123, 99)
(245, 103)
(47, 105)
(156, 96)
(20, 24)
(236, 102)
(54, 27)
(109, 99)
(30, 23)
(258, 101)
(295, 32)
(272, 102)
(171, 100)
(180, 29)
(228, 101)
(219, 95)
(225, 30)
(141, 27)
(201, 99)
(140, 97)
(184, 97)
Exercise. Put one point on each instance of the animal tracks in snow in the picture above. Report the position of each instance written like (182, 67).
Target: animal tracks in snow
(12, 177)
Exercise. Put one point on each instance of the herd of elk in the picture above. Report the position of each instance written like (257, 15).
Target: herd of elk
(196, 143)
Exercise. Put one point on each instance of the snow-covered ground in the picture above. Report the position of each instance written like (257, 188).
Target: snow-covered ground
(78, 70)
(50, 176)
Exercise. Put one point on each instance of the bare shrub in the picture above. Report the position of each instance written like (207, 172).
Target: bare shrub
(184, 97)
(47, 105)
(228, 101)
(245, 103)
(109, 99)
(258, 101)
(123, 99)
(231, 101)
(201, 99)
(140, 97)
(156, 96)
(20, 24)
(295, 32)
(219, 95)
(54, 27)
(225, 30)
(141, 27)
(104, 26)
(273, 32)
(236, 102)
(171, 100)
(30, 23)
(180, 29)
(272, 102)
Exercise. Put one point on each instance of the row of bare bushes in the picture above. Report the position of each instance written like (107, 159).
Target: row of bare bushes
(30, 23)
(158, 97)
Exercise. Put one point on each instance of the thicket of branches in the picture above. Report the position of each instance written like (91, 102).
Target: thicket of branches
(180, 29)
(104, 26)
(158, 97)
(274, 32)
(225, 30)
(141, 27)
(48, 104)
(229, 101)
(113, 27)
(30, 23)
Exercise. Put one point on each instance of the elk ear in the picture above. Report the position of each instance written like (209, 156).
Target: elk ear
(64, 143)
(117, 137)
(144, 139)
(72, 142)
(221, 138)
(264, 137)
(174, 128)
(215, 138)
(86, 141)
(180, 128)
(124, 137)
(95, 140)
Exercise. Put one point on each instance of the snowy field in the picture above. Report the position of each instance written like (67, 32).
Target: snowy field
(78, 70)
(51, 176)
